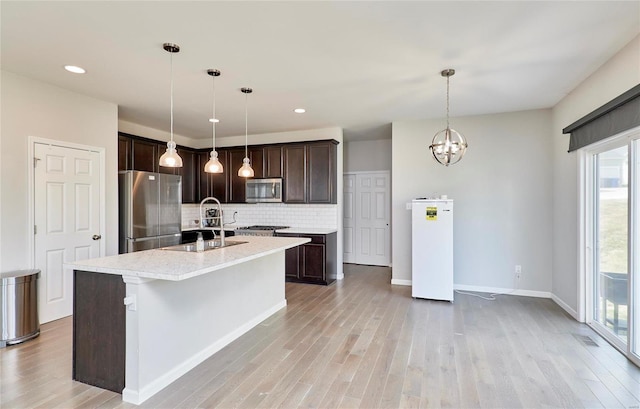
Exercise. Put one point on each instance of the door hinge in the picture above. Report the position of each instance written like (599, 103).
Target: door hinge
(35, 229)
(35, 161)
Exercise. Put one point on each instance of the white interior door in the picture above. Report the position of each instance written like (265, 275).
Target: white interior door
(349, 218)
(370, 217)
(67, 221)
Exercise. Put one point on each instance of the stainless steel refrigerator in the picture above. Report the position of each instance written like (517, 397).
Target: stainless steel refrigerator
(150, 210)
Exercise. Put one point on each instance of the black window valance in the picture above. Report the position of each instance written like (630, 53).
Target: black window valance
(618, 115)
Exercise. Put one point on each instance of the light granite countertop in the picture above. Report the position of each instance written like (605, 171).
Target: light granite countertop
(178, 265)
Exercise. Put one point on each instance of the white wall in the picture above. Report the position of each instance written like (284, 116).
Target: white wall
(618, 75)
(159, 135)
(33, 108)
(365, 156)
(502, 191)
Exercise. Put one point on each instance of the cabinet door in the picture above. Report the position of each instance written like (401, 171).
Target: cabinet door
(145, 155)
(218, 181)
(292, 259)
(295, 174)
(124, 153)
(292, 262)
(257, 161)
(212, 184)
(321, 158)
(273, 162)
(189, 175)
(313, 262)
(237, 184)
(204, 188)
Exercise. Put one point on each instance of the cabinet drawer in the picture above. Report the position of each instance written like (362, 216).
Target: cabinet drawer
(315, 238)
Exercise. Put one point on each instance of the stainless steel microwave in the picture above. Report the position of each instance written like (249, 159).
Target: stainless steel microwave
(264, 190)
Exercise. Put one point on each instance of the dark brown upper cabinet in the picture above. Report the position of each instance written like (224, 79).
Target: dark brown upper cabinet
(310, 172)
(256, 155)
(212, 184)
(273, 161)
(145, 155)
(308, 169)
(188, 173)
(321, 172)
(236, 184)
(294, 173)
(124, 153)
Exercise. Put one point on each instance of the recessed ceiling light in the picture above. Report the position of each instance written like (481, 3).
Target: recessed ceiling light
(299, 110)
(74, 69)
(214, 120)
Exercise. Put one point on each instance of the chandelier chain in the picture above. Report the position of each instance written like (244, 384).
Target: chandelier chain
(447, 102)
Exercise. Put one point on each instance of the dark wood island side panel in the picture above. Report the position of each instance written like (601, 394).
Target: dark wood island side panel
(99, 330)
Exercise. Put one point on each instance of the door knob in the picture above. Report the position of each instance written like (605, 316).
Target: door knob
(96, 237)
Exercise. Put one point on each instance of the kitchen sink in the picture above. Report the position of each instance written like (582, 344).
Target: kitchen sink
(208, 245)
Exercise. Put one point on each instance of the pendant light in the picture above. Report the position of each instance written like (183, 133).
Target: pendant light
(448, 146)
(214, 165)
(246, 171)
(171, 158)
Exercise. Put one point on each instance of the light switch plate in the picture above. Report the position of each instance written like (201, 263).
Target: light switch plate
(409, 206)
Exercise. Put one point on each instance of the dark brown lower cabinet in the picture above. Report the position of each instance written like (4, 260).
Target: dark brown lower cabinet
(314, 262)
(99, 330)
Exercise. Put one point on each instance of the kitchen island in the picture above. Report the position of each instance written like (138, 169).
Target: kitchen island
(142, 320)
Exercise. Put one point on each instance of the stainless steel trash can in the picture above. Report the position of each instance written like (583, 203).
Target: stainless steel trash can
(18, 306)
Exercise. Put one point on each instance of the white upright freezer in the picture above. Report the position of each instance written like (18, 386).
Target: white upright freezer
(432, 249)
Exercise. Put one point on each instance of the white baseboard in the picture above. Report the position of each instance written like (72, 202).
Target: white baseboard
(498, 290)
(137, 397)
(565, 307)
(397, 281)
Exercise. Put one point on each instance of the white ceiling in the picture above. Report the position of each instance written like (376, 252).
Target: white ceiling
(356, 65)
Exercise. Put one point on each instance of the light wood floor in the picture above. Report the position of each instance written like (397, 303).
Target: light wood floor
(364, 343)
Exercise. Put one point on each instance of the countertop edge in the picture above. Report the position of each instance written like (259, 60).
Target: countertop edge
(180, 277)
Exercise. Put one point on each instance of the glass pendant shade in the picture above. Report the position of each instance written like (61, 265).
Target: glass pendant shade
(246, 171)
(448, 147)
(170, 158)
(213, 165)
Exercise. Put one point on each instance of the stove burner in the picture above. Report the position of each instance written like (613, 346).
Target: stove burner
(258, 230)
(259, 227)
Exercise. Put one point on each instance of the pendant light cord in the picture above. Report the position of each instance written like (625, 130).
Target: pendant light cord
(246, 116)
(171, 59)
(213, 128)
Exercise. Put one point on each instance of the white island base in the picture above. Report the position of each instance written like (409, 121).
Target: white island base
(176, 325)
(198, 304)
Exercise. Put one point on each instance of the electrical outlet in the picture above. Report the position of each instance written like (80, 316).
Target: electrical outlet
(518, 270)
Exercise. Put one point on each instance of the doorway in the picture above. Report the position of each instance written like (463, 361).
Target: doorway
(67, 219)
(367, 218)
(611, 211)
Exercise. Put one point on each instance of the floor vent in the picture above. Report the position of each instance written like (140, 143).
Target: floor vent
(585, 339)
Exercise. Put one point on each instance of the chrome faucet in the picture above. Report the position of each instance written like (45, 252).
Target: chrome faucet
(220, 217)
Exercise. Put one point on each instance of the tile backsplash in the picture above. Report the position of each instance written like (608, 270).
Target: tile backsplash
(272, 214)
